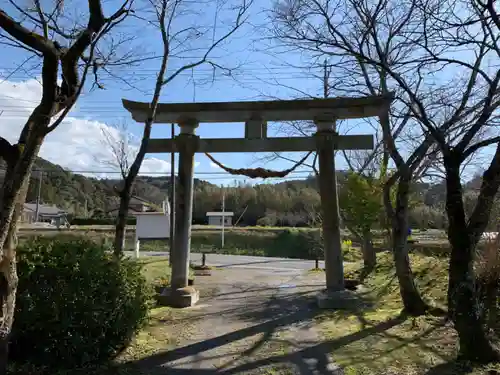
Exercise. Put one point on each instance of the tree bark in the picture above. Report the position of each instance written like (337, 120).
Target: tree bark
(463, 297)
(493, 321)
(121, 221)
(14, 192)
(365, 239)
(126, 192)
(490, 303)
(8, 289)
(369, 255)
(412, 300)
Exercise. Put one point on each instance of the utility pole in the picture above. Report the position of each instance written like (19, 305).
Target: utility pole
(223, 216)
(326, 75)
(37, 211)
(172, 198)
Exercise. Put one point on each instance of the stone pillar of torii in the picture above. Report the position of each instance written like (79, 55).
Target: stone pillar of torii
(323, 112)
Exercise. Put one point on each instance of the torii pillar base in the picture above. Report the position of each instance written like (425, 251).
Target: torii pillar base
(339, 300)
(179, 298)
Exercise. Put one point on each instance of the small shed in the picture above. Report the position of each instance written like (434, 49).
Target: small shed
(220, 218)
(152, 226)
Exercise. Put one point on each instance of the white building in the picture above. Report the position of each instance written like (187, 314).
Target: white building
(215, 218)
(152, 226)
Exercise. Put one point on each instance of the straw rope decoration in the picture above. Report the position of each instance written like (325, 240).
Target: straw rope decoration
(258, 172)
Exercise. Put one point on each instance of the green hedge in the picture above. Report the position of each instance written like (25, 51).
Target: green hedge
(286, 243)
(99, 221)
(75, 304)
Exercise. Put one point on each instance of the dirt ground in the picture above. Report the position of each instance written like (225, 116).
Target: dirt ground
(266, 321)
(247, 322)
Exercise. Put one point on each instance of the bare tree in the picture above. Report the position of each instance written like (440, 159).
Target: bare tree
(63, 52)
(116, 139)
(449, 94)
(352, 75)
(174, 35)
(489, 7)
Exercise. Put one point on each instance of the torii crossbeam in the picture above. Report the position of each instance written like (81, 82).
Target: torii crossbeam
(255, 114)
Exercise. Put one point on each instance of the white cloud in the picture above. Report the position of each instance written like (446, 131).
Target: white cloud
(213, 165)
(77, 144)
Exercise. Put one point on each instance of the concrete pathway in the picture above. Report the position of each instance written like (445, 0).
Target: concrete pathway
(249, 322)
(242, 261)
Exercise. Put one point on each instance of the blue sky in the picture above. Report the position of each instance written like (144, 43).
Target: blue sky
(258, 74)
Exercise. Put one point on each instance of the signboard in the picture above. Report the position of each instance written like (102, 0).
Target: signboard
(151, 226)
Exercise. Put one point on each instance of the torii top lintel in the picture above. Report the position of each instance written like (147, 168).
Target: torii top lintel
(276, 110)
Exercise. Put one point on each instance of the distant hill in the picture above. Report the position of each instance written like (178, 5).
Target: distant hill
(86, 196)
(285, 203)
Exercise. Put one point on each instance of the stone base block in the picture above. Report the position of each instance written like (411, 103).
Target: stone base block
(202, 273)
(182, 297)
(339, 300)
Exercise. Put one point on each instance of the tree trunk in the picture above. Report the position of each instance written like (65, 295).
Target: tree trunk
(491, 304)
(463, 297)
(131, 176)
(412, 300)
(121, 221)
(8, 288)
(369, 255)
(493, 321)
(12, 197)
(465, 309)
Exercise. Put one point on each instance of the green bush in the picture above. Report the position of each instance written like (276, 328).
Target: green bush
(314, 241)
(296, 243)
(75, 304)
(99, 221)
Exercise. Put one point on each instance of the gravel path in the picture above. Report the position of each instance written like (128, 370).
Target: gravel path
(249, 322)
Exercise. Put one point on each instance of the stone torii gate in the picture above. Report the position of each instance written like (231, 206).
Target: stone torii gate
(255, 114)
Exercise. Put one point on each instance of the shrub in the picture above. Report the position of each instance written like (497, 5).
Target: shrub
(75, 304)
(100, 221)
(314, 240)
(296, 243)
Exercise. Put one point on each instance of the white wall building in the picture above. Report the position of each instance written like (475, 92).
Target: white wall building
(215, 218)
(152, 226)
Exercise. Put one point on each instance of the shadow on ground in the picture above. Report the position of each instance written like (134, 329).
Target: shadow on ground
(315, 359)
(277, 313)
(281, 312)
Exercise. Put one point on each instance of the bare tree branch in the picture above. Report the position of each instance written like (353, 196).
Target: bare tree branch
(240, 19)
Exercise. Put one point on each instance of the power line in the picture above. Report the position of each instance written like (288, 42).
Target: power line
(133, 65)
(275, 71)
(45, 171)
(206, 174)
(244, 79)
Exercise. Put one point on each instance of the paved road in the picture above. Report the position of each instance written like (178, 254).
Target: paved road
(242, 261)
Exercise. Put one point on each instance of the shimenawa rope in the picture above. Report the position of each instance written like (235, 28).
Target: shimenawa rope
(258, 172)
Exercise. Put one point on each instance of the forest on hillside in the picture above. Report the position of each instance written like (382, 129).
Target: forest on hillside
(290, 203)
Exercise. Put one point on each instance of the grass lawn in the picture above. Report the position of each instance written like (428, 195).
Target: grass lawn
(154, 268)
(377, 340)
